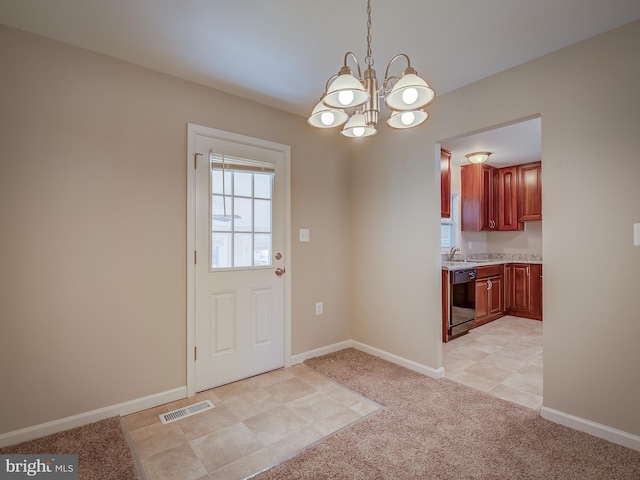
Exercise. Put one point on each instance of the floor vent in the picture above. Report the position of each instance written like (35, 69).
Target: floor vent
(185, 412)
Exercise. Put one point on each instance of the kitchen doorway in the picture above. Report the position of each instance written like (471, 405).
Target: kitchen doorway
(495, 352)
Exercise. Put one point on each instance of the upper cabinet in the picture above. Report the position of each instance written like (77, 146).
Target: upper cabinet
(530, 192)
(506, 204)
(500, 198)
(476, 182)
(445, 184)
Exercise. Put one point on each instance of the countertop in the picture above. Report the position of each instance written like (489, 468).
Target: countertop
(475, 263)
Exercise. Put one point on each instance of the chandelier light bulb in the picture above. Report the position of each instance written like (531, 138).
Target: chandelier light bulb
(327, 118)
(345, 97)
(407, 118)
(410, 95)
(358, 131)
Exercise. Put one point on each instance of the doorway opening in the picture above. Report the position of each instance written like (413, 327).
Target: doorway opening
(502, 354)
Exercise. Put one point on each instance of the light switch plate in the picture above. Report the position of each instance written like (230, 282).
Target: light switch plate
(304, 235)
(636, 234)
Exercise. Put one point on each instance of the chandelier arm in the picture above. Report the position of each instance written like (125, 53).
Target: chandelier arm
(326, 87)
(355, 59)
(386, 72)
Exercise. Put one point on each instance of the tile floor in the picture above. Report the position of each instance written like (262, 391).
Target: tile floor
(502, 358)
(256, 423)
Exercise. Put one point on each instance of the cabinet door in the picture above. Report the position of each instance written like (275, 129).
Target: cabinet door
(535, 273)
(521, 288)
(445, 305)
(445, 184)
(507, 287)
(477, 197)
(487, 216)
(530, 192)
(507, 199)
(482, 299)
(495, 296)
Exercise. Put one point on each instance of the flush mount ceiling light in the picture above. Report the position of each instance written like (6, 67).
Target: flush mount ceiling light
(478, 157)
(356, 100)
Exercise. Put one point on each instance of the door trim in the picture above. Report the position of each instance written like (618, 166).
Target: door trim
(192, 131)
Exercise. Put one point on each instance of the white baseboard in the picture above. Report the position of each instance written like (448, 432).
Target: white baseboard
(124, 408)
(596, 429)
(317, 352)
(403, 362)
(410, 364)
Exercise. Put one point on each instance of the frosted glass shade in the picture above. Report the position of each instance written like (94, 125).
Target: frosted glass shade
(409, 93)
(478, 157)
(357, 127)
(346, 91)
(326, 117)
(408, 119)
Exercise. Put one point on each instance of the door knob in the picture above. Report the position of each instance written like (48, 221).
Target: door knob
(279, 271)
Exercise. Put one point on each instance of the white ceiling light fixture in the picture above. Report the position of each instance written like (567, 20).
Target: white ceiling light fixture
(405, 96)
(478, 157)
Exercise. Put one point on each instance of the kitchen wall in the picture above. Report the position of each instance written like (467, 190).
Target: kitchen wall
(587, 97)
(528, 240)
(93, 226)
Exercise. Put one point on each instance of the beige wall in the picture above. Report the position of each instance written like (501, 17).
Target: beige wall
(93, 227)
(93, 202)
(588, 97)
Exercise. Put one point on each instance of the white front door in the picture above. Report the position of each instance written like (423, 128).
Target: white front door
(239, 260)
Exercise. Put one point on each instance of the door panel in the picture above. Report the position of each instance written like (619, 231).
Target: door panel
(222, 323)
(239, 299)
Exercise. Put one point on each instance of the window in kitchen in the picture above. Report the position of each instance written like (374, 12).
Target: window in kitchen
(450, 227)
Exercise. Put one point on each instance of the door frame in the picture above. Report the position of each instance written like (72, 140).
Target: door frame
(192, 131)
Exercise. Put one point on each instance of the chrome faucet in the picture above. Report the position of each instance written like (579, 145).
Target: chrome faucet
(452, 253)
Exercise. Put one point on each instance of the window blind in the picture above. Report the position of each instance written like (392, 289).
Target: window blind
(230, 164)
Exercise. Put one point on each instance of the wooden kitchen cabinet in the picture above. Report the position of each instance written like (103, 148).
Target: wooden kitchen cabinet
(445, 305)
(500, 198)
(478, 197)
(524, 290)
(506, 202)
(530, 192)
(489, 294)
(445, 183)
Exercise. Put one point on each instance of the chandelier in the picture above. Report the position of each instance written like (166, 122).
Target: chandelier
(355, 101)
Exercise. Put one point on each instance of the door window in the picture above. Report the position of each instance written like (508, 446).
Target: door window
(241, 213)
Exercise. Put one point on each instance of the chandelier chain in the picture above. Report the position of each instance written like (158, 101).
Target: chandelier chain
(369, 58)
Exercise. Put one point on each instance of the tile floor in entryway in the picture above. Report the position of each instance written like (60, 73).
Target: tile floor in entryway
(256, 423)
(502, 358)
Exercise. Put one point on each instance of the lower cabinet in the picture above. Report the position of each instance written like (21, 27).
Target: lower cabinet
(511, 289)
(524, 290)
(489, 293)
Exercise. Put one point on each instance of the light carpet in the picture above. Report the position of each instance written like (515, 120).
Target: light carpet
(439, 429)
(102, 449)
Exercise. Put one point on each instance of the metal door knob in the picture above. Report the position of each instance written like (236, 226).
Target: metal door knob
(279, 271)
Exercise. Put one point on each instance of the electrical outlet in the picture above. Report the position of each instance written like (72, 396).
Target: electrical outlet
(319, 308)
(304, 235)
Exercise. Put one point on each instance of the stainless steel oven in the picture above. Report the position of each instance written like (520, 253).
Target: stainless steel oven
(462, 314)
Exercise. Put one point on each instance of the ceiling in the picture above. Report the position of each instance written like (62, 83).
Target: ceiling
(281, 52)
(509, 145)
